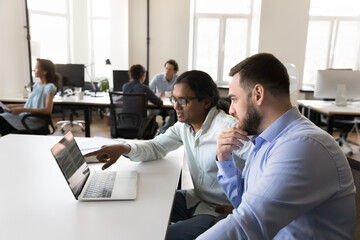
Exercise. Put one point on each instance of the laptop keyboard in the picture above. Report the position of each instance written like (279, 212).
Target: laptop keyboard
(101, 185)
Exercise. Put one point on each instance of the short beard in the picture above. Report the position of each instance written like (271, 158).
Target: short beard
(252, 119)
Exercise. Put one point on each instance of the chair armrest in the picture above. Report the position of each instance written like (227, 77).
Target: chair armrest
(46, 118)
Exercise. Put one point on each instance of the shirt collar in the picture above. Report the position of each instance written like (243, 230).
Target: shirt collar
(280, 124)
(209, 117)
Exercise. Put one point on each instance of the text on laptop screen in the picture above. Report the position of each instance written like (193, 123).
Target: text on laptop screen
(71, 162)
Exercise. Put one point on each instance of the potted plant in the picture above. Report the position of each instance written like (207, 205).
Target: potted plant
(103, 86)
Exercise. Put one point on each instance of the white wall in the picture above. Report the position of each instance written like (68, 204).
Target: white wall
(283, 32)
(14, 67)
(169, 33)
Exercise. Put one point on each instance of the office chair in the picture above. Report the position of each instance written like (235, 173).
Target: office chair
(48, 127)
(71, 122)
(128, 116)
(346, 127)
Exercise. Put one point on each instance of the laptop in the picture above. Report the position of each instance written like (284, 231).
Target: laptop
(92, 186)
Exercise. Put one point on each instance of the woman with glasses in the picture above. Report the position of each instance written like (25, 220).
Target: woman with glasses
(195, 97)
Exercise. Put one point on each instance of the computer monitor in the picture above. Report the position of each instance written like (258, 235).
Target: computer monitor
(327, 82)
(72, 74)
(119, 78)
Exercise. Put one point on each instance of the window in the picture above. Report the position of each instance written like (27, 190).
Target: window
(333, 39)
(225, 32)
(52, 33)
(49, 26)
(100, 36)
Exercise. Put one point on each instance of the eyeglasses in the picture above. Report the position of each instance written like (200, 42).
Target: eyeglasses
(181, 101)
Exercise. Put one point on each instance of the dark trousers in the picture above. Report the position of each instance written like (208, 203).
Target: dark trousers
(184, 225)
(5, 127)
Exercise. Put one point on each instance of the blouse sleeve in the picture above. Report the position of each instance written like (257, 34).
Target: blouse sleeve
(50, 88)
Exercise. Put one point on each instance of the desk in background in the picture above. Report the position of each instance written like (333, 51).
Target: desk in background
(329, 109)
(86, 104)
(38, 204)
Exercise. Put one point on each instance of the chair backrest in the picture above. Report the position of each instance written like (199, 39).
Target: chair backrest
(127, 111)
(48, 128)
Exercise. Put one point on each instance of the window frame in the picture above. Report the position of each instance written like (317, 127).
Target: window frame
(222, 17)
(92, 40)
(68, 19)
(332, 41)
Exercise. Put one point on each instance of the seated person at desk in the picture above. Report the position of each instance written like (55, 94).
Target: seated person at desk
(135, 85)
(40, 100)
(195, 97)
(296, 183)
(163, 82)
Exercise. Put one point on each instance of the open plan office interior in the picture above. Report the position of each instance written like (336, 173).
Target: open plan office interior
(93, 44)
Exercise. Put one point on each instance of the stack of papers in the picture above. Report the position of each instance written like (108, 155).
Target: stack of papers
(4, 107)
(95, 143)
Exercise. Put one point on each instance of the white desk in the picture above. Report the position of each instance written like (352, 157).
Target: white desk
(36, 202)
(329, 109)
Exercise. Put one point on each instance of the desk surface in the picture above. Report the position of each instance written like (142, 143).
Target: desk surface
(102, 99)
(37, 203)
(329, 107)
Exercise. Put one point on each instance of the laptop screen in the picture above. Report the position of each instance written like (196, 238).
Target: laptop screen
(71, 162)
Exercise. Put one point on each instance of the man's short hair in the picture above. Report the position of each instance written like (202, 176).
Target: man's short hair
(136, 72)
(174, 63)
(201, 84)
(264, 69)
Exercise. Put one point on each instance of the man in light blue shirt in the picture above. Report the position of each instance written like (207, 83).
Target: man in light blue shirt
(297, 183)
(163, 82)
(196, 101)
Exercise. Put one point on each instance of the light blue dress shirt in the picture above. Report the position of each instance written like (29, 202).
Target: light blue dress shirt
(200, 152)
(36, 99)
(296, 184)
(159, 83)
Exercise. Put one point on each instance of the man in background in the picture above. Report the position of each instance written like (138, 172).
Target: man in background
(163, 82)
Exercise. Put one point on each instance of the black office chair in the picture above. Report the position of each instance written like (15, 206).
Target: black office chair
(346, 126)
(48, 127)
(128, 116)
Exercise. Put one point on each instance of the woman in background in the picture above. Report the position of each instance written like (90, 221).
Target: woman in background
(40, 101)
(137, 77)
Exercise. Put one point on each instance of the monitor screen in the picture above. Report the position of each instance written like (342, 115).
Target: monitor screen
(120, 77)
(72, 74)
(328, 80)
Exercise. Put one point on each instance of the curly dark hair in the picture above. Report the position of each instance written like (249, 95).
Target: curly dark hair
(49, 67)
(136, 72)
(174, 63)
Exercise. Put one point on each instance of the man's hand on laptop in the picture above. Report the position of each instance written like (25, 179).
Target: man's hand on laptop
(109, 154)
